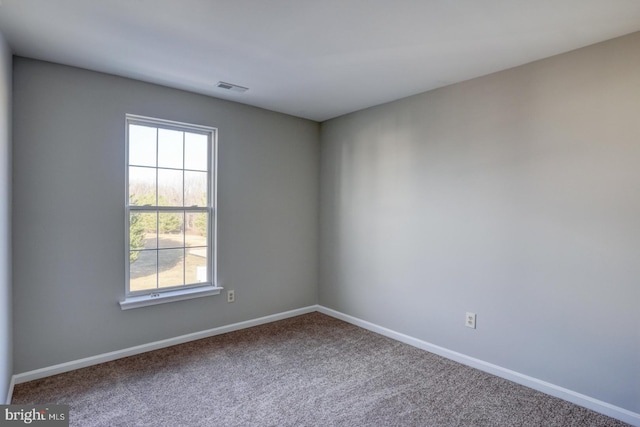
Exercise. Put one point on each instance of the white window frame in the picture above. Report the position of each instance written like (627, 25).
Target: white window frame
(135, 299)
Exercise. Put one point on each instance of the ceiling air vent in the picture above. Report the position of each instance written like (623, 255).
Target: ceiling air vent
(231, 87)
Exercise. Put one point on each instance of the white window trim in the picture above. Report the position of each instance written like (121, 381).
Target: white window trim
(155, 297)
(168, 296)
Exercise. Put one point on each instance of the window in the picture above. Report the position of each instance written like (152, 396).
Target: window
(170, 211)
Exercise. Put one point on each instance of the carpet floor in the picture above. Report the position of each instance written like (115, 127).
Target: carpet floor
(310, 370)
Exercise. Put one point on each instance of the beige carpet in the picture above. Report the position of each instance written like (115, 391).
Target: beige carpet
(310, 370)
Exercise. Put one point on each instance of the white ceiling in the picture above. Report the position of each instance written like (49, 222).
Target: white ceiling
(313, 59)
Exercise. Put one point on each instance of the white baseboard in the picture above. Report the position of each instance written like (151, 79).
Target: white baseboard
(10, 391)
(534, 383)
(118, 354)
(525, 380)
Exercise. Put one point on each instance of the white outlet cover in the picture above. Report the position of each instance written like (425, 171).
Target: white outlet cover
(470, 320)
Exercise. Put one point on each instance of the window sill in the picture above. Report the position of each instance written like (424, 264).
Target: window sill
(164, 297)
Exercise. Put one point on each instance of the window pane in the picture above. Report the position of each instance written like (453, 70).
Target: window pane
(196, 229)
(142, 145)
(142, 230)
(170, 267)
(170, 149)
(171, 225)
(169, 187)
(195, 188)
(142, 186)
(195, 151)
(168, 166)
(196, 267)
(142, 270)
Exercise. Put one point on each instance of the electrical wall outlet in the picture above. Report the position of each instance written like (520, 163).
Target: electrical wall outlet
(470, 320)
(231, 296)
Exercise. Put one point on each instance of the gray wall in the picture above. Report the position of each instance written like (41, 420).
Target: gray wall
(515, 196)
(6, 346)
(68, 198)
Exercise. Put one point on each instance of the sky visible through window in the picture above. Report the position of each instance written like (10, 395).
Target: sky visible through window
(181, 159)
